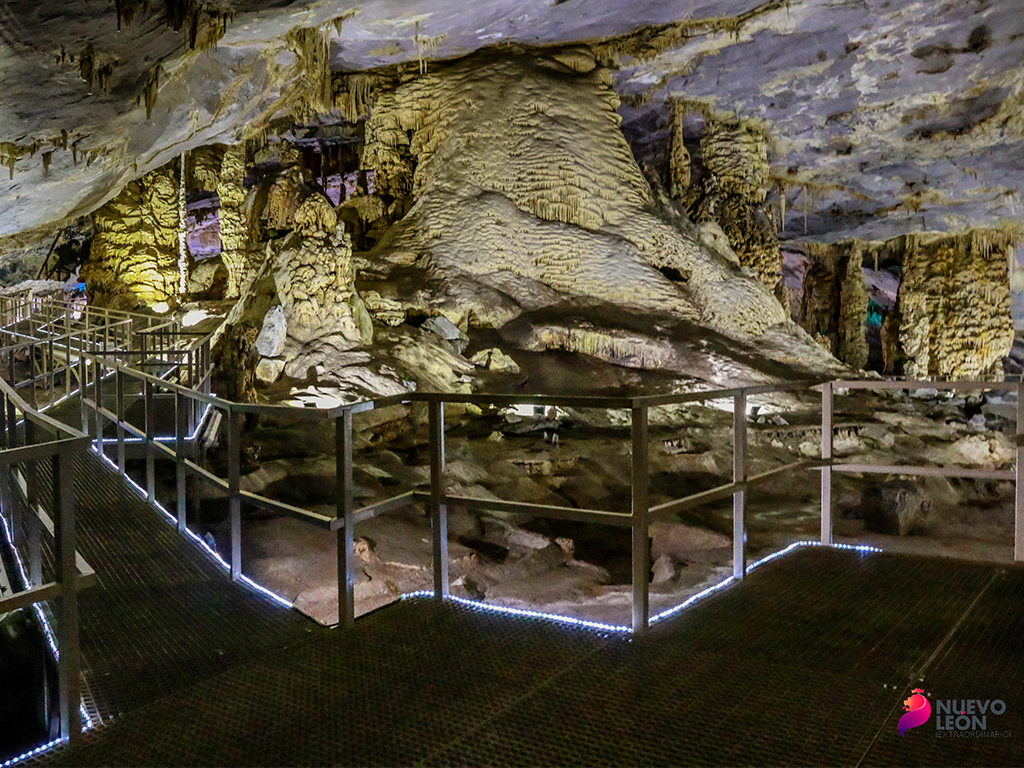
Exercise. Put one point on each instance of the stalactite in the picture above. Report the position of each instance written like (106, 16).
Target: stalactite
(233, 226)
(353, 94)
(150, 91)
(182, 231)
(679, 157)
(734, 157)
(312, 90)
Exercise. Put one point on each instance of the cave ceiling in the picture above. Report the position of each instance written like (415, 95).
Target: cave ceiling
(886, 116)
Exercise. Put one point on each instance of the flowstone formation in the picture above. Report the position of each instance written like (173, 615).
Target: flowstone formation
(954, 304)
(518, 168)
(134, 255)
(724, 184)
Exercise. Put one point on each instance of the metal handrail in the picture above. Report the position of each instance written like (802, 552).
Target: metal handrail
(73, 572)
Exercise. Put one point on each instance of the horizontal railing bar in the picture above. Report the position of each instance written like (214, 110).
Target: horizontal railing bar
(379, 508)
(713, 394)
(537, 510)
(795, 466)
(914, 384)
(43, 449)
(220, 482)
(899, 469)
(321, 521)
(25, 598)
(695, 500)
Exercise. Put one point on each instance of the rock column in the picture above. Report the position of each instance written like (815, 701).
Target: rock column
(133, 260)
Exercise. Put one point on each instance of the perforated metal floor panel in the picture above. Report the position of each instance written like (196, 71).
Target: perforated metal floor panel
(805, 663)
(163, 616)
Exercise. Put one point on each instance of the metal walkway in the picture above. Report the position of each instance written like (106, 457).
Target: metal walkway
(162, 615)
(805, 664)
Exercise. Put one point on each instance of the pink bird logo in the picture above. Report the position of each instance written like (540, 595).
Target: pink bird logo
(918, 710)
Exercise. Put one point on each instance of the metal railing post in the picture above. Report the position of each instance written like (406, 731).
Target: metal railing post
(119, 388)
(67, 352)
(67, 627)
(1018, 498)
(35, 552)
(97, 393)
(52, 370)
(82, 381)
(150, 436)
(346, 534)
(438, 509)
(12, 424)
(180, 426)
(827, 503)
(639, 482)
(235, 501)
(739, 475)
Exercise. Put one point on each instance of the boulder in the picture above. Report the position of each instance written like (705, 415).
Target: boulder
(270, 342)
(896, 508)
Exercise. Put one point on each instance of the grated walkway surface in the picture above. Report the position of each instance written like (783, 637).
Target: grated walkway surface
(163, 616)
(805, 663)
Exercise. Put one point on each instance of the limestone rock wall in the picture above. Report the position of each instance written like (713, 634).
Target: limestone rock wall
(134, 255)
(518, 165)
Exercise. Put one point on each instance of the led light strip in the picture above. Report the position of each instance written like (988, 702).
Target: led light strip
(654, 619)
(87, 721)
(198, 540)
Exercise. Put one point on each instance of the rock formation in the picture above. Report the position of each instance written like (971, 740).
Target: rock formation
(234, 227)
(954, 304)
(312, 280)
(952, 315)
(134, 254)
(834, 306)
(517, 165)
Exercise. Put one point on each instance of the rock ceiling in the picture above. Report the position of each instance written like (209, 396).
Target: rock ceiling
(886, 116)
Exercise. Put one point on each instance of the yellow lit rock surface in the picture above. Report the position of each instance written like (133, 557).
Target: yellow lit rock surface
(134, 255)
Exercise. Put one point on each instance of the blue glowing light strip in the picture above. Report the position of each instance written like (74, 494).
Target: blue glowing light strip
(524, 613)
(198, 540)
(30, 753)
(51, 640)
(571, 620)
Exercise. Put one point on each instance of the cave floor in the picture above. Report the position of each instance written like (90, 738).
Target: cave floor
(806, 662)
